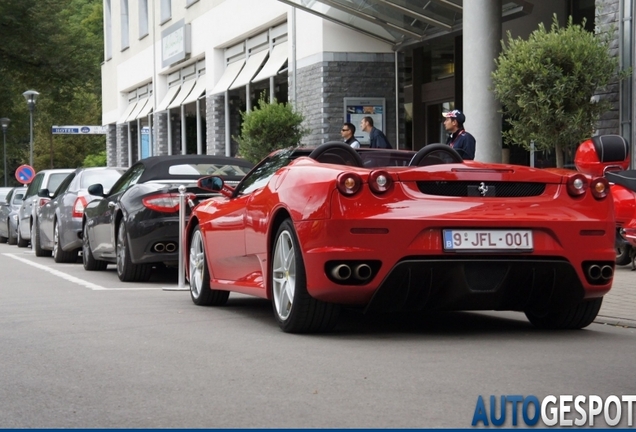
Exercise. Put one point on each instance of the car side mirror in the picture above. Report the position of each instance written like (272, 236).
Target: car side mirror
(44, 193)
(96, 190)
(212, 183)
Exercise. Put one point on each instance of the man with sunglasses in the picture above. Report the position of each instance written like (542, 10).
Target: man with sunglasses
(348, 131)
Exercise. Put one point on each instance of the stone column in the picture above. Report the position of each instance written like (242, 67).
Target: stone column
(122, 145)
(111, 146)
(482, 44)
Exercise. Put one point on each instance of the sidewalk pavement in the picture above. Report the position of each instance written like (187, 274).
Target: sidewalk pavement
(619, 305)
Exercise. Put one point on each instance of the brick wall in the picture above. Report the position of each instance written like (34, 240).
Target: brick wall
(607, 20)
(111, 146)
(322, 87)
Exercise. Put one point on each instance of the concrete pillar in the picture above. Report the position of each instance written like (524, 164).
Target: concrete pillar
(482, 44)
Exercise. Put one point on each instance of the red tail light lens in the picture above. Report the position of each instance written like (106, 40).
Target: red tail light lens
(577, 185)
(600, 188)
(78, 207)
(43, 201)
(349, 183)
(165, 202)
(380, 182)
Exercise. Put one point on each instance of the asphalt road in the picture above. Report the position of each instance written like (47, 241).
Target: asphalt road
(83, 350)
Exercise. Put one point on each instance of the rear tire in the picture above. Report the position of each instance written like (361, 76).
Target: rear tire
(59, 254)
(22, 243)
(574, 317)
(35, 241)
(200, 290)
(295, 310)
(623, 254)
(126, 269)
(11, 239)
(89, 261)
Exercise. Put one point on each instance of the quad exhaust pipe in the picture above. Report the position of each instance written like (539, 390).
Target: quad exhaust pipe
(164, 247)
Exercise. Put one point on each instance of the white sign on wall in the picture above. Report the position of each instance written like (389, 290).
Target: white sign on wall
(175, 43)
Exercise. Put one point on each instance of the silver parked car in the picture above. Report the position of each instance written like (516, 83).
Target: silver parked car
(46, 179)
(9, 207)
(4, 191)
(58, 227)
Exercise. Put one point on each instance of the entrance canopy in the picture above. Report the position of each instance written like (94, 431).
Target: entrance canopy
(401, 22)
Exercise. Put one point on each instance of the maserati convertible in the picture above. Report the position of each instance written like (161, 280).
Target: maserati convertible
(315, 230)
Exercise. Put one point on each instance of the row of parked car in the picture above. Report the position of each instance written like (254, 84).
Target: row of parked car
(110, 215)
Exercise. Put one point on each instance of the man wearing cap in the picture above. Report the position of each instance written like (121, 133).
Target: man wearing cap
(460, 140)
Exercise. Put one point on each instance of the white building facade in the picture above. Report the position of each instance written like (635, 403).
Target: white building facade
(178, 73)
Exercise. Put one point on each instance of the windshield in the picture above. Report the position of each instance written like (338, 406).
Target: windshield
(55, 180)
(106, 178)
(261, 174)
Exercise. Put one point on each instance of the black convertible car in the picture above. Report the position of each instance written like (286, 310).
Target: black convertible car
(136, 225)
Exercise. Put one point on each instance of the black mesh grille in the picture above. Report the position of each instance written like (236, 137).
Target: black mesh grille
(485, 189)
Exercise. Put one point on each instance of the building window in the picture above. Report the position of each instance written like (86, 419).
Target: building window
(143, 18)
(125, 41)
(108, 24)
(166, 10)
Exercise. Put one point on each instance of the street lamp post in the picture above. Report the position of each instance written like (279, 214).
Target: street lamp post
(5, 125)
(31, 96)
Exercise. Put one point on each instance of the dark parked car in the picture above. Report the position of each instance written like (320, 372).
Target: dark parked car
(136, 224)
(58, 227)
(9, 207)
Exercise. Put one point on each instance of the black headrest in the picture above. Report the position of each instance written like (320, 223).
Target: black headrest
(610, 148)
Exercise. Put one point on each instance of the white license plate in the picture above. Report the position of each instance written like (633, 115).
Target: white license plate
(487, 240)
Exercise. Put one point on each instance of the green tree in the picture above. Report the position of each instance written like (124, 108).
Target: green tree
(95, 160)
(56, 48)
(545, 85)
(268, 127)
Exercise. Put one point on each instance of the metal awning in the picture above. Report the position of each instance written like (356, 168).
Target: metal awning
(276, 60)
(172, 92)
(401, 22)
(135, 113)
(252, 65)
(146, 109)
(126, 114)
(186, 88)
(196, 92)
(231, 72)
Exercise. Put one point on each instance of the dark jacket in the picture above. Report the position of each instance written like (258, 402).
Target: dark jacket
(378, 139)
(464, 143)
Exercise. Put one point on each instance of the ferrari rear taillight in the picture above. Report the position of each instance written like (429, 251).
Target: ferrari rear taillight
(79, 206)
(380, 181)
(577, 185)
(349, 183)
(600, 188)
(165, 202)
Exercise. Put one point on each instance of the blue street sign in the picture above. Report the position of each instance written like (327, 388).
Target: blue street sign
(24, 174)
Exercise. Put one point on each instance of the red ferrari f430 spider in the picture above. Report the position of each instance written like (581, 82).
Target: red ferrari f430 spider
(315, 230)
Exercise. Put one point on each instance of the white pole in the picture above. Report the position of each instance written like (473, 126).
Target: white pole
(181, 256)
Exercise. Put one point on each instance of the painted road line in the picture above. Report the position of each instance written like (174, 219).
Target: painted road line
(74, 279)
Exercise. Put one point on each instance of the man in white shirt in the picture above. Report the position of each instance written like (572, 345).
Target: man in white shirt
(348, 131)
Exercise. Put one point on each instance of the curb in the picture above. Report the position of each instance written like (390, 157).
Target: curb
(617, 322)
